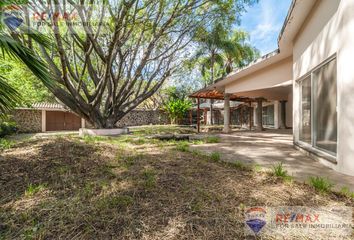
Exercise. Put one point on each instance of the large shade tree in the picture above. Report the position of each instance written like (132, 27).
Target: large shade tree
(122, 53)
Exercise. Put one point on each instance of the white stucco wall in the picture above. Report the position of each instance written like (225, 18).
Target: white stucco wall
(328, 31)
(273, 75)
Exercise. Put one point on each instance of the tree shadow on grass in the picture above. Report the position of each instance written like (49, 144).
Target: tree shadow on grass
(100, 191)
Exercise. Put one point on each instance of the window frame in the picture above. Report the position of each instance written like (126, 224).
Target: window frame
(310, 74)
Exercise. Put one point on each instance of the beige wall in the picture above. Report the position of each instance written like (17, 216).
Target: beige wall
(270, 76)
(326, 32)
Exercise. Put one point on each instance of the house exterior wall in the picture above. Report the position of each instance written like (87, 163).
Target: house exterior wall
(270, 76)
(328, 31)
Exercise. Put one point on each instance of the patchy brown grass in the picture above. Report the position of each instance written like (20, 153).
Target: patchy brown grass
(126, 188)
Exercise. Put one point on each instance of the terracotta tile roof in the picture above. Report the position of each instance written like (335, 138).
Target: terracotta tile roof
(44, 105)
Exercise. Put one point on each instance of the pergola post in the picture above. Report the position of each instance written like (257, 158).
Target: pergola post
(227, 128)
(198, 115)
(191, 117)
(260, 114)
(282, 124)
(241, 116)
(250, 115)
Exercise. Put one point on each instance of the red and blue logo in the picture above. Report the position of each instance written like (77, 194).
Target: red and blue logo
(256, 219)
(11, 17)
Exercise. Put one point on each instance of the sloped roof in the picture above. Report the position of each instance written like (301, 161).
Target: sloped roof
(210, 93)
(45, 105)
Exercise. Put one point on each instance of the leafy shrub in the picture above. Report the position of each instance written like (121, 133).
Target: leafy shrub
(7, 128)
(321, 184)
(240, 165)
(176, 108)
(5, 144)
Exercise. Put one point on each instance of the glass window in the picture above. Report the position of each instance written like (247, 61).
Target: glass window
(305, 108)
(325, 107)
(268, 115)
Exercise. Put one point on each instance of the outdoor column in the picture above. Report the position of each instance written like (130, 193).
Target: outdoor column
(227, 128)
(250, 116)
(260, 114)
(282, 124)
(44, 121)
(276, 115)
(255, 116)
(198, 115)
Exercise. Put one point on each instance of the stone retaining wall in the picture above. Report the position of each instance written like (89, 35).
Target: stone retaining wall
(143, 117)
(28, 121)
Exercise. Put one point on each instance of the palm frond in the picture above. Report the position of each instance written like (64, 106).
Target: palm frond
(9, 97)
(18, 51)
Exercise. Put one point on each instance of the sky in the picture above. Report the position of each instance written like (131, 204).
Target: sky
(264, 22)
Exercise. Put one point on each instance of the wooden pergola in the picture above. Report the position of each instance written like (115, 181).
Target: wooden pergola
(219, 95)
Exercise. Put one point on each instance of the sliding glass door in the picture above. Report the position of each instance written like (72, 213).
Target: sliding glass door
(305, 109)
(325, 107)
(318, 108)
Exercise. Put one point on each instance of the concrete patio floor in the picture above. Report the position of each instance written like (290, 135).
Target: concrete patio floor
(271, 147)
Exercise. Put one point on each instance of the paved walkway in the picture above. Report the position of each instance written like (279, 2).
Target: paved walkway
(271, 147)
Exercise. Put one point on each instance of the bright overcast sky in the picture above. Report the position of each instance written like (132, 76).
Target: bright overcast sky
(264, 21)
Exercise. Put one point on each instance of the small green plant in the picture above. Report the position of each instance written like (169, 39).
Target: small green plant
(183, 146)
(215, 156)
(212, 139)
(322, 185)
(239, 165)
(33, 189)
(257, 168)
(149, 176)
(346, 192)
(279, 171)
(5, 144)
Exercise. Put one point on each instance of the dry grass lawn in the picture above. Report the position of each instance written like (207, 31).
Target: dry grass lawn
(133, 188)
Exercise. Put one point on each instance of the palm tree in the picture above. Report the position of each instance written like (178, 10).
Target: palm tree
(221, 52)
(10, 45)
(211, 44)
(237, 52)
